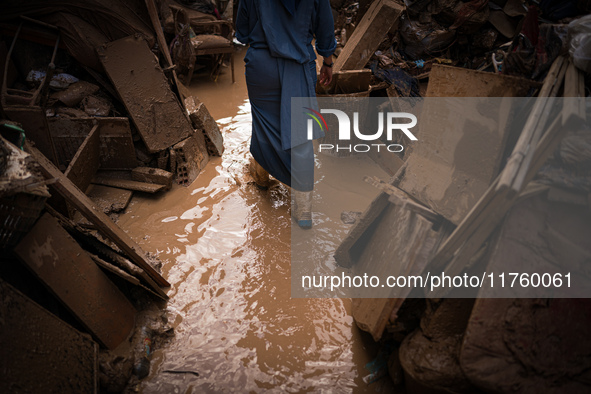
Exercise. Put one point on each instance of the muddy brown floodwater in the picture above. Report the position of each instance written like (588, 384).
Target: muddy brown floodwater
(225, 248)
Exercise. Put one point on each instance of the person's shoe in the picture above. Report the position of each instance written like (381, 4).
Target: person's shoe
(259, 174)
(302, 209)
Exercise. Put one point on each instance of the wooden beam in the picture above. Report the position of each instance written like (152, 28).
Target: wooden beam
(68, 272)
(343, 255)
(128, 184)
(399, 197)
(375, 24)
(531, 131)
(85, 162)
(163, 45)
(80, 201)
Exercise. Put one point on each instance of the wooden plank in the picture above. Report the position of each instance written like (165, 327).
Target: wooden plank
(143, 87)
(115, 270)
(68, 272)
(354, 237)
(91, 242)
(123, 275)
(70, 192)
(401, 244)
(40, 353)
(116, 143)
(448, 81)
(109, 199)
(128, 184)
(85, 162)
(522, 152)
(152, 175)
(460, 151)
(399, 197)
(381, 16)
(390, 162)
(163, 46)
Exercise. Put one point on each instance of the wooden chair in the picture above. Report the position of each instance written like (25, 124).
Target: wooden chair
(213, 37)
(214, 44)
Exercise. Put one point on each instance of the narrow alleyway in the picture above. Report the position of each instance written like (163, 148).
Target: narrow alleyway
(225, 246)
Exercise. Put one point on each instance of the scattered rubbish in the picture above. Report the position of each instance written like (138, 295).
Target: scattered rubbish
(58, 81)
(22, 194)
(84, 205)
(422, 39)
(141, 369)
(75, 93)
(378, 367)
(350, 217)
(96, 106)
(579, 31)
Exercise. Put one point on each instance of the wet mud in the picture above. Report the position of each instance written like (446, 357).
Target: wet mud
(225, 248)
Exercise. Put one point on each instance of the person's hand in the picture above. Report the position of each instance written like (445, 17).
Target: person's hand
(326, 71)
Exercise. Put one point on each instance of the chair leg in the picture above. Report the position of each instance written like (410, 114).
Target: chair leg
(232, 65)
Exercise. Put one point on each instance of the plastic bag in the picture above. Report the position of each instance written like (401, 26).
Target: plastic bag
(579, 32)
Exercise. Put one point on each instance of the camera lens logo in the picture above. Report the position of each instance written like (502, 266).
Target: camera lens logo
(318, 118)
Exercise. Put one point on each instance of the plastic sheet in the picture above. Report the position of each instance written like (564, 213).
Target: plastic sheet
(579, 32)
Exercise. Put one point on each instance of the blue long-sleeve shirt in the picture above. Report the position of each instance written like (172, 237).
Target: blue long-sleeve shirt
(287, 27)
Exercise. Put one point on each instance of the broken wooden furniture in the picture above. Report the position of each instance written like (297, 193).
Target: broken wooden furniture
(40, 95)
(23, 106)
(216, 45)
(23, 193)
(64, 187)
(394, 236)
(538, 139)
(69, 273)
(163, 46)
(212, 38)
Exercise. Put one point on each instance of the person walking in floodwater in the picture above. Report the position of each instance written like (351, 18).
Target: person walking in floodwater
(280, 64)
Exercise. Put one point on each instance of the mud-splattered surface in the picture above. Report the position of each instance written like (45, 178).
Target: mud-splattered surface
(40, 353)
(225, 246)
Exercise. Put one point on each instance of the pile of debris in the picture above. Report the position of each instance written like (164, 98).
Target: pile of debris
(519, 201)
(512, 37)
(91, 112)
